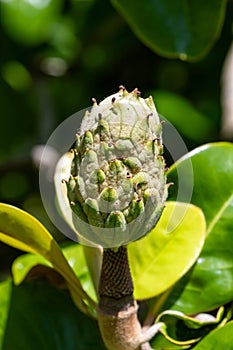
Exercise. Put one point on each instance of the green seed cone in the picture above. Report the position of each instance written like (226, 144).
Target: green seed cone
(117, 185)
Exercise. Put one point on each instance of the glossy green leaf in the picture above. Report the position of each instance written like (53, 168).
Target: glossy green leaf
(160, 342)
(180, 329)
(37, 316)
(221, 338)
(184, 29)
(21, 230)
(210, 283)
(23, 265)
(171, 248)
(75, 256)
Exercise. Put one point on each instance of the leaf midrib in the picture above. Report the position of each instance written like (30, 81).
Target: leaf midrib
(218, 215)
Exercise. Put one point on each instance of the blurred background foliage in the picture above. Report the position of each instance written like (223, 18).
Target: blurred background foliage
(58, 54)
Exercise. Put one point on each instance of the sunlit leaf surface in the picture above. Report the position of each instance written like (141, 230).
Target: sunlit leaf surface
(210, 283)
(171, 248)
(21, 230)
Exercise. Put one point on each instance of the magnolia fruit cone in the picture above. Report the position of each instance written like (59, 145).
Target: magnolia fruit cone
(116, 186)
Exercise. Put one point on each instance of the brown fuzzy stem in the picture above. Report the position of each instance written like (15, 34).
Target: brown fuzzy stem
(117, 309)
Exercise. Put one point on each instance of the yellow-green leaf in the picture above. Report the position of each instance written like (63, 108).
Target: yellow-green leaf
(165, 255)
(21, 230)
(34, 266)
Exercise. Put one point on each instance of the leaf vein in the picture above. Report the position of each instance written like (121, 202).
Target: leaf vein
(218, 215)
